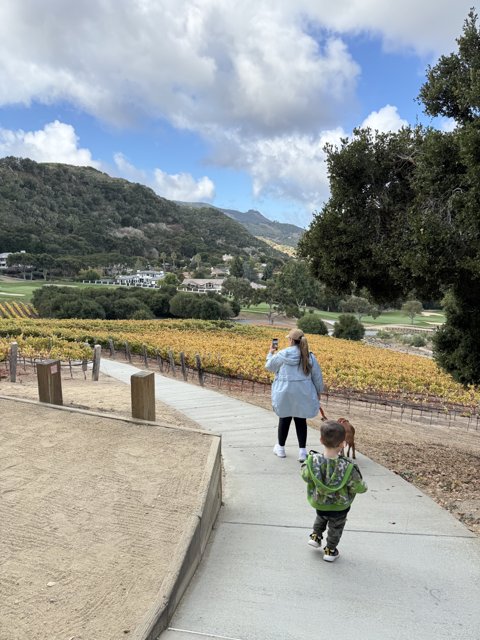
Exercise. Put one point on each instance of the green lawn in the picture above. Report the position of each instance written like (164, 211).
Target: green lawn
(22, 290)
(387, 318)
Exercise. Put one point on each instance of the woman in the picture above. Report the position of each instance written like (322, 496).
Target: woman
(295, 390)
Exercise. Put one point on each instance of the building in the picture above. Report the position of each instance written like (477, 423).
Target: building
(201, 285)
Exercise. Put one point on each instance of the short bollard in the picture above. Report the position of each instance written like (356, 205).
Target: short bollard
(143, 395)
(49, 382)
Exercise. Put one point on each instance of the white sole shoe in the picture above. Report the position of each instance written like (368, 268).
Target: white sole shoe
(302, 455)
(279, 451)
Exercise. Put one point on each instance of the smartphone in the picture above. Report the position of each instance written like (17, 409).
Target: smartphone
(275, 343)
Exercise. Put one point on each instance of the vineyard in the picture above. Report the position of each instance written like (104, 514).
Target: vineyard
(238, 351)
(14, 309)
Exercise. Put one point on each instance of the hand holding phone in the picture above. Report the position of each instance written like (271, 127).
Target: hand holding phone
(275, 343)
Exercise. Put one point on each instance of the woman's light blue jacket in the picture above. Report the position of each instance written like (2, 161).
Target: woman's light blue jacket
(294, 393)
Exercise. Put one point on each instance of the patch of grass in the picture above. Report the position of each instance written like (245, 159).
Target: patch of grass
(22, 291)
(428, 320)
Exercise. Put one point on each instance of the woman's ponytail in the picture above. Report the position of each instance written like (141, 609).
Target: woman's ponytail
(305, 356)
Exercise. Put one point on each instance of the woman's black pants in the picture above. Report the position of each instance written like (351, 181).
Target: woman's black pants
(300, 425)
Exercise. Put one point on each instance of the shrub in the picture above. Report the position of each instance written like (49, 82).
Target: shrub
(313, 324)
(418, 341)
(384, 335)
(348, 327)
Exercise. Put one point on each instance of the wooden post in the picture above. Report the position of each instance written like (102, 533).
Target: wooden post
(112, 348)
(97, 356)
(13, 361)
(145, 356)
(172, 361)
(182, 363)
(128, 355)
(143, 395)
(199, 369)
(49, 382)
(159, 360)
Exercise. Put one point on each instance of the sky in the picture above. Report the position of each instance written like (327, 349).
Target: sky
(227, 102)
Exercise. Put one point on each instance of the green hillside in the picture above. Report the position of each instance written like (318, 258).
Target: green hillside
(258, 225)
(61, 209)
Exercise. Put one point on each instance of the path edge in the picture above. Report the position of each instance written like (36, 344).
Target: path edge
(188, 552)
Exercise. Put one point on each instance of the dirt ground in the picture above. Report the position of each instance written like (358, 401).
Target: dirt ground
(91, 510)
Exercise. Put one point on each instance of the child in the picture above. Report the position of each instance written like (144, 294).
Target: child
(332, 483)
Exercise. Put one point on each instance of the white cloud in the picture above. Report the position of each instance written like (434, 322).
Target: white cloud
(384, 120)
(447, 124)
(265, 82)
(182, 186)
(56, 142)
(290, 166)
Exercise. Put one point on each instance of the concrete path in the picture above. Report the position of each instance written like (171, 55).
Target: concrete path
(408, 569)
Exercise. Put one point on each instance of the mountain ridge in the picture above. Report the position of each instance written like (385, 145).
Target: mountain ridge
(54, 208)
(258, 225)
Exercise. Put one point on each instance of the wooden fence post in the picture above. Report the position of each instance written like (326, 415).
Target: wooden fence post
(182, 363)
(199, 369)
(172, 361)
(128, 355)
(145, 356)
(143, 395)
(159, 360)
(49, 382)
(112, 348)
(97, 356)
(13, 356)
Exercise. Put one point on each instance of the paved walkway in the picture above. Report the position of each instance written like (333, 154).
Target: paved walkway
(408, 569)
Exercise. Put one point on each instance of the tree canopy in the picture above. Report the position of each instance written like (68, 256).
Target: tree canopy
(403, 215)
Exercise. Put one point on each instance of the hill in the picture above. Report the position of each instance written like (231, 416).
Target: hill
(259, 226)
(60, 209)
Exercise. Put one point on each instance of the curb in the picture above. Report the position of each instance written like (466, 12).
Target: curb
(188, 552)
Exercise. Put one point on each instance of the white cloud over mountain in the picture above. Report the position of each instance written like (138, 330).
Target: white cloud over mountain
(56, 142)
(265, 82)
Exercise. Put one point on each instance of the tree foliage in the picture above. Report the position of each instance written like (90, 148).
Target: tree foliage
(311, 323)
(348, 327)
(82, 212)
(403, 212)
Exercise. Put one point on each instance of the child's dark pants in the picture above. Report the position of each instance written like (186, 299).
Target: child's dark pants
(336, 521)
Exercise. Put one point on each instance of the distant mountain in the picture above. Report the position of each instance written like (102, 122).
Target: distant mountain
(60, 209)
(258, 225)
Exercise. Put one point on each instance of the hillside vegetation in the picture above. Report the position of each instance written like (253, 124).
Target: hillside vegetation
(59, 209)
(279, 233)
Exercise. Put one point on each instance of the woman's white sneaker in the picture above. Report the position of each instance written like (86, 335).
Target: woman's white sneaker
(279, 451)
(302, 455)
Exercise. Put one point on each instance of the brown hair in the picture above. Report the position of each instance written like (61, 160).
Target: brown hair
(332, 434)
(299, 339)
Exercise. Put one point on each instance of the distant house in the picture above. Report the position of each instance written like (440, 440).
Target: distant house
(4, 257)
(141, 279)
(219, 272)
(204, 285)
(227, 257)
(201, 285)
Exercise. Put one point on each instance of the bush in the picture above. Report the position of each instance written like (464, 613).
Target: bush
(418, 341)
(313, 324)
(348, 327)
(384, 335)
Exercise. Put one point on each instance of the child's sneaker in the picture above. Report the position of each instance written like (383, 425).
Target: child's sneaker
(314, 541)
(302, 455)
(330, 555)
(279, 451)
